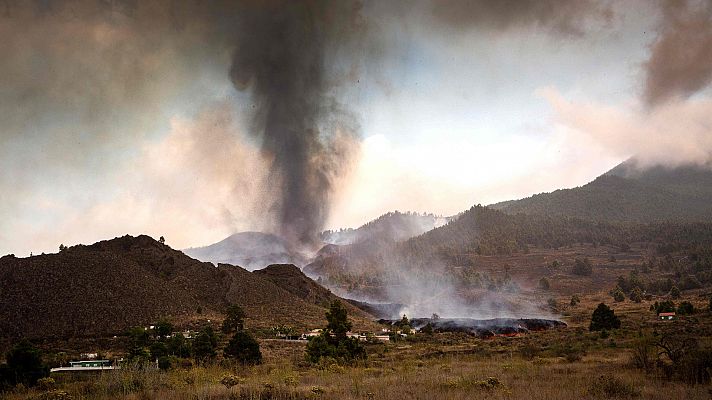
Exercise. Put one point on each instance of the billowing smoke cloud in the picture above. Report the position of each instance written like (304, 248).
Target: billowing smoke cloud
(85, 81)
(281, 55)
(673, 134)
(557, 16)
(680, 63)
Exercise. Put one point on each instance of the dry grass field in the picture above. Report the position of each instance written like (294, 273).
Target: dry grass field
(566, 364)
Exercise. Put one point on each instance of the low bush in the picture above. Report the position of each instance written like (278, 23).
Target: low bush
(609, 386)
(230, 380)
(53, 395)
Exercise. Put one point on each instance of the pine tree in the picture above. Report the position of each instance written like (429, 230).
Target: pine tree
(235, 319)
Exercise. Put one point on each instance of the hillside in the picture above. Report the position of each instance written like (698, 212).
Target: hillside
(250, 250)
(628, 194)
(107, 287)
(293, 280)
(393, 226)
(447, 263)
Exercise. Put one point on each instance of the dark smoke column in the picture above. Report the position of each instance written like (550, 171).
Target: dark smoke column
(280, 55)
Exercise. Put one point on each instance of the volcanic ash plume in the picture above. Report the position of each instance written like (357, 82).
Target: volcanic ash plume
(284, 55)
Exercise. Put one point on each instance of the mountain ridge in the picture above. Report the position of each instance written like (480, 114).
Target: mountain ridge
(107, 287)
(628, 193)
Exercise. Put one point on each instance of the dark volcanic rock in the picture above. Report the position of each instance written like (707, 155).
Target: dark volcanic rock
(482, 327)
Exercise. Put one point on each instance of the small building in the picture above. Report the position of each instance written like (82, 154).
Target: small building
(666, 316)
(90, 363)
(85, 366)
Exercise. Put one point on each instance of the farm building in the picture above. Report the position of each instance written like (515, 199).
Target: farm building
(85, 365)
(665, 316)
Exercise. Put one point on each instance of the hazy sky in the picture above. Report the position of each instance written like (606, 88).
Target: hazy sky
(113, 123)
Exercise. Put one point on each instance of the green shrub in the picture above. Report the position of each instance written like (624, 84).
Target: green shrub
(243, 348)
(164, 363)
(582, 267)
(636, 295)
(204, 344)
(618, 294)
(604, 318)
(24, 365)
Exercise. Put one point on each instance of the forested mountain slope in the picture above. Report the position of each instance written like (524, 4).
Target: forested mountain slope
(628, 194)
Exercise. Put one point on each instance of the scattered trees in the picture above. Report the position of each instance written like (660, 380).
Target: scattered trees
(675, 292)
(242, 347)
(604, 318)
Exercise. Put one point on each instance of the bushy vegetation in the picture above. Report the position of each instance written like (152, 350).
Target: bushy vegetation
(604, 318)
(23, 365)
(234, 319)
(333, 341)
(582, 267)
(243, 348)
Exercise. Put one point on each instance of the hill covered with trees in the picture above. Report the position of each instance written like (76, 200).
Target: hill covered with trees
(628, 193)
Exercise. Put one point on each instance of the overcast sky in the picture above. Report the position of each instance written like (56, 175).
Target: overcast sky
(116, 125)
